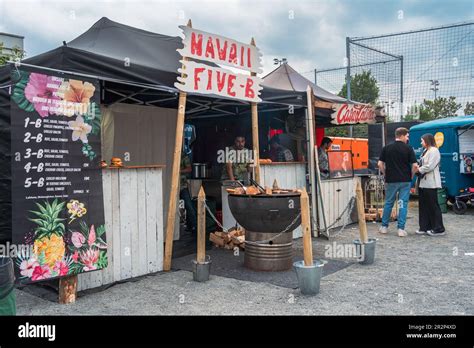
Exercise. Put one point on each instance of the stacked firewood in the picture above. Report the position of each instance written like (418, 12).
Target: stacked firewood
(254, 190)
(229, 240)
(373, 214)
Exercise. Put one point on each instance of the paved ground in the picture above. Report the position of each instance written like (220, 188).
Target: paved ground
(412, 275)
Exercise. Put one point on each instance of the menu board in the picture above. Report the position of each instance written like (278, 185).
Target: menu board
(57, 201)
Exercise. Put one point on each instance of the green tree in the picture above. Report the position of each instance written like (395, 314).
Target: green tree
(439, 108)
(336, 132)
(16, 53)
(364, 88)
(469, 109)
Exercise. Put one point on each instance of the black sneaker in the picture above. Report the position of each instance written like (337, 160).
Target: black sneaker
(436, 233)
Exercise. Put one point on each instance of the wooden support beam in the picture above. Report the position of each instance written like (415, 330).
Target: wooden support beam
(313, 168)
(255, 132)
(323, 105)
(201, 230)
(175, 177)
(361, 213)
(68, 289)
(306, 226)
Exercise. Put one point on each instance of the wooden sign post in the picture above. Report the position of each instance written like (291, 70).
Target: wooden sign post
(255, 142)
(361, 213)
(178, 145)
(201, 227)
(306, 226)
(312, 155)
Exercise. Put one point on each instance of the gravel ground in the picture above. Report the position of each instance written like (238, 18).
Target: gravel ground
(416, 275)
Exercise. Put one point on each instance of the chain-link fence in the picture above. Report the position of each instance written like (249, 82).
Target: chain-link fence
(425, 73)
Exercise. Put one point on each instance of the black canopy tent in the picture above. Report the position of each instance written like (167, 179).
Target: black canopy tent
(137, 66)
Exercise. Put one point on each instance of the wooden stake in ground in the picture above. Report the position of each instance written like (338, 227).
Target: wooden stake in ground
(201, 230)
(306, 226)
(361, 213)
(255, 142)
(175, 177)
(68, 289)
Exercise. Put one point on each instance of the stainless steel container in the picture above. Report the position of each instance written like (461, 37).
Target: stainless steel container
(200, 171)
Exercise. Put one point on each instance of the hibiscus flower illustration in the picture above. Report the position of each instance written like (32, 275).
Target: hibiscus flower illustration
(61, 267)
(80, 129)
(79, 92)
(39, 90)
(40, 273)
(27, 267)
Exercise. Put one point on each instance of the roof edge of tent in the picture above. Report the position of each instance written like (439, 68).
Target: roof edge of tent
(287, 66)
(40, 61)
(104, 21)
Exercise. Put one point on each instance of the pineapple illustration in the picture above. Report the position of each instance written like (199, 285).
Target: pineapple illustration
(49, 231)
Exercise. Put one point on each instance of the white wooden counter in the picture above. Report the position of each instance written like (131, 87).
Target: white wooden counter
(336, 194)
(133, 208)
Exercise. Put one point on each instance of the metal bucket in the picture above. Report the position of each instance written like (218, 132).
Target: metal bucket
(366, 252)
(276, 255)
(201, 271)
(309, 277)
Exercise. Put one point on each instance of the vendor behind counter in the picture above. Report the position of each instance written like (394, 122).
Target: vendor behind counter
(279, 153)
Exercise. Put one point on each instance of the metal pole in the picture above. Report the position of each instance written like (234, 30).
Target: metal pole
(316, 77)
(401, 88)
(348, 76)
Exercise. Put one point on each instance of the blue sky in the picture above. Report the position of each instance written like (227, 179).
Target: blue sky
(308, 33)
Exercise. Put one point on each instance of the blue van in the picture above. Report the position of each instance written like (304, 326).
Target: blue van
(455, 139)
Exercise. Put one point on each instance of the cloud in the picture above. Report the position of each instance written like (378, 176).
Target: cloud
(308, 33)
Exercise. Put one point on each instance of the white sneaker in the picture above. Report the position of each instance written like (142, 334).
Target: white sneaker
(383, 230)
(402, 233)
(420, 232)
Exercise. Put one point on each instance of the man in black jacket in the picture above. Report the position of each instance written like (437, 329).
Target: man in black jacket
(398, 164)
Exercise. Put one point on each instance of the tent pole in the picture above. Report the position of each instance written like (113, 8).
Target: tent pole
(255, 133)
(311, 154)
(178, 145)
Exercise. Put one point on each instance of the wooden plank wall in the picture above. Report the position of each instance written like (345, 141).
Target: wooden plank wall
(336, 194)
(133, 208)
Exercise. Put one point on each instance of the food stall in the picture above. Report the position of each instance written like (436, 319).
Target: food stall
(123, 208)
(113, 214)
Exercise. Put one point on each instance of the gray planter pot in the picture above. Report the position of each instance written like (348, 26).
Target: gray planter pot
(201, 271)
(366, 252)
(309, 277)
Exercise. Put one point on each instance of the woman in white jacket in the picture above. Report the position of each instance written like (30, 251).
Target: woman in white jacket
(429, 178)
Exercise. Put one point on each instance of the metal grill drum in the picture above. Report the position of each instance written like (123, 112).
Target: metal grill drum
(264, 217)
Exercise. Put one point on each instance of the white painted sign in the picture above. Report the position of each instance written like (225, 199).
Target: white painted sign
(205, 79)
(220, 50)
